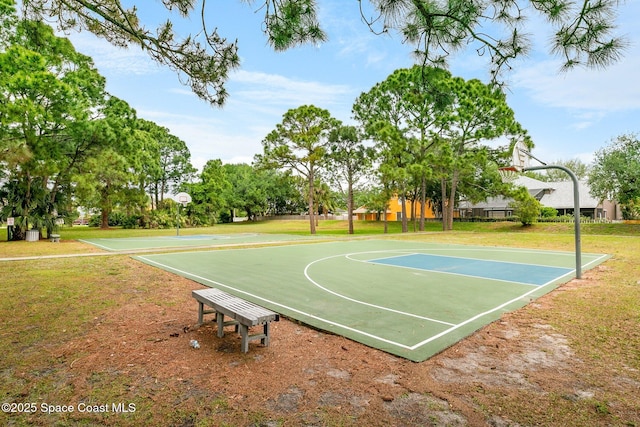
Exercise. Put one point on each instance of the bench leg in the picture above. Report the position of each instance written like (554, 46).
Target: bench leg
(220, 322)
(246, 338)
(265, 339)
(244, 333)
(200, 313)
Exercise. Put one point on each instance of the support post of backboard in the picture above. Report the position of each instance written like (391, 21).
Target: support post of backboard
(178, 219)
(576, 210)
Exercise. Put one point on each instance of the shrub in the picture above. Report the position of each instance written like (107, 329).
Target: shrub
(548, 212)
(526, 207)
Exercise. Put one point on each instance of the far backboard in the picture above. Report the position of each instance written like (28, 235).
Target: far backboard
(520, 156)
(183, 198)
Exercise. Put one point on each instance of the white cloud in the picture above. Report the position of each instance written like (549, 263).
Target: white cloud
(272, 89)
(182, 91)
(109, 58)
(586, 119)
(211, 138)
(613, 89)
(258, 101)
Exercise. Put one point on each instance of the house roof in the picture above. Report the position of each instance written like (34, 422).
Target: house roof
(558, 195)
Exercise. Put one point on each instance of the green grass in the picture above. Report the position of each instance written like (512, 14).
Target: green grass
(337, 227)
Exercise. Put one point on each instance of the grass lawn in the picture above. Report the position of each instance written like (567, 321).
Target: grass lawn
(54, 312)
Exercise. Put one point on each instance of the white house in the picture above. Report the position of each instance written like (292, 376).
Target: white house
(557, 195)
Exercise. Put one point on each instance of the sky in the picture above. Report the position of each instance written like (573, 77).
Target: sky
(568, 115)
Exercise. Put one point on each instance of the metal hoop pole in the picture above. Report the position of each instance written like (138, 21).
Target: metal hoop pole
(576, 210)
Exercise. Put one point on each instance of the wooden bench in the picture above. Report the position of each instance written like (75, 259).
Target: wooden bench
(244, 314)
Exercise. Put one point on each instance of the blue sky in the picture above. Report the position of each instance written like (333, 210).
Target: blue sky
(569, 115)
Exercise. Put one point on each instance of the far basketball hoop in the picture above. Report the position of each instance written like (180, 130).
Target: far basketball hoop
(183, 198)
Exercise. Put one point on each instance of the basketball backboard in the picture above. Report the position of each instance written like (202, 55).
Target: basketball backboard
(183, 198)
(520, 156)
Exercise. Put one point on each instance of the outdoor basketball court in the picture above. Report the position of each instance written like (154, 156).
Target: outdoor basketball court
(407, 298)
(187, 241)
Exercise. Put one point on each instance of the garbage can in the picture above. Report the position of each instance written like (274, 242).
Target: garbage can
(33, 235)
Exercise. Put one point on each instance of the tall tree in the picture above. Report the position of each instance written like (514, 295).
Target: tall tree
(49, 95)
(616, 174)
(208, 194)
(248, 190)
(299, 143)
(110, 176)
(169, 162)
(403, 114)
(584, 31)
(103, 183)
(478, 113)
(284, 195)
(349, 161)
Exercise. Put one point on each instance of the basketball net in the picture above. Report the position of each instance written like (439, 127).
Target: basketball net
(509, 174)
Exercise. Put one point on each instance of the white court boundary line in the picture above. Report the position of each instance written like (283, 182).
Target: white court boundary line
(366, 334)
(187, 238)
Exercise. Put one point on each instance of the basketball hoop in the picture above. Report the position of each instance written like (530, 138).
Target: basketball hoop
(183, 198)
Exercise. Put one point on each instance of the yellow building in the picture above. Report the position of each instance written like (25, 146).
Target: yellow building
(394, 211)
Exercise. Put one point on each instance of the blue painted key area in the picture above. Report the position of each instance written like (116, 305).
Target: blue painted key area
(513, 272)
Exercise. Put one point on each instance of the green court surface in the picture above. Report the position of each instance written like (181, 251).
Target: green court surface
(410, 299)
(195, 241)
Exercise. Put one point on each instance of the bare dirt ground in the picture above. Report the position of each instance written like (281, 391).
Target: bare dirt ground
(519, 370)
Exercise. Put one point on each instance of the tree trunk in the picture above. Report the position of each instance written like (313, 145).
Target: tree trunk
(423, 202)
(445, 202)
(448, 199)
(312, 223)
(405, 227)
(350, 207)
(384, 215)
(452, 198)
(104, 219)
